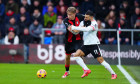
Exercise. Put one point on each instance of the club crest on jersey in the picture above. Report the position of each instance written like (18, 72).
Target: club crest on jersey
(77, 22)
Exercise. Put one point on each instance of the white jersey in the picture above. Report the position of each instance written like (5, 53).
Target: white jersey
(90, 33)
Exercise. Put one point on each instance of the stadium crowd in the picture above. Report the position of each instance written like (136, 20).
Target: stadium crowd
(22, 21)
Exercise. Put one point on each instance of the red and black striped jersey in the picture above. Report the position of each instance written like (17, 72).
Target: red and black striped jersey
(70, 37)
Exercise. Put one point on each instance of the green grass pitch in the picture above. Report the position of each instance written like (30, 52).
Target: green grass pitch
(26, 74)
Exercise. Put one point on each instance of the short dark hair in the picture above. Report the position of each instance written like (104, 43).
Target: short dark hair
(89, 13)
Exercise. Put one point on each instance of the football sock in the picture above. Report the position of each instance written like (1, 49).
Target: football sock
(67, 67)
(80, 61)
(108, 67)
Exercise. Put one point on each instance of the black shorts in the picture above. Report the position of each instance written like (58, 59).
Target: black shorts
(93, 49)
(72, 47)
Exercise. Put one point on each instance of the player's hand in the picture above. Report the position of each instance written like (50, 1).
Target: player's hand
(76, 31)
(70, 28)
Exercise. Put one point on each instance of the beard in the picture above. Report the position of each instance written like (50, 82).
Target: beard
(87, 23)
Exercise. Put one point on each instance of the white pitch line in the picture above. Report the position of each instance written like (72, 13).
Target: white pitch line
(126, 74)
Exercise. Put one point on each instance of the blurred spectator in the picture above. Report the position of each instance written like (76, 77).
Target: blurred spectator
(58, 37)
(36, 5)
(50, 16)
(49, 24)
(111, 15)
(122, 15)
(10, 13)
(135, 16)
(125, 7)
(101, 10)
(2, 12)
(12, 5)
(62, 12)
(26, 39)
(22, 24)
(12, 25)
(124, 36)
(59, 7)
(45, 8)
(86, 5)
(48, 38)
(35, 31)
(110, 37)
(137, 34)
(100, 33)
(24, 3)
(37, 15)
(74, 3)
(11, 38)
(26, 14)
(137, 3)
(78, 10)
(112, 7)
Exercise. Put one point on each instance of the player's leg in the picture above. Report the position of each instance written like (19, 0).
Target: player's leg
(67, 65)
(97, 54)
(67, 62)
(80, 61)
(79, 52)
(69, 48)
(107, 66)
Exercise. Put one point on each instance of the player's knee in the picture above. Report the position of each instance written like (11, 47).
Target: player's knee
(76, 54)
(100, 59)
(80, 53)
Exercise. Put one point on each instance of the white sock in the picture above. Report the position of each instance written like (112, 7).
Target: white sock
(108, 67)
(80, 61)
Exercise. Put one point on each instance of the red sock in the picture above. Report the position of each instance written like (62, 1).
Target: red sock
(67, 67)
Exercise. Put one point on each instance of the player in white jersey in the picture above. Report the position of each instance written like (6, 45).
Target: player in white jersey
(90, 27)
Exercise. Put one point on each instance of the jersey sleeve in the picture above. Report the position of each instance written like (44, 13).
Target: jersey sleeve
(65, 23)
(92, 27)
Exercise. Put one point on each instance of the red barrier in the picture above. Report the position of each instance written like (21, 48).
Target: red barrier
(5, 57)
(46, 54)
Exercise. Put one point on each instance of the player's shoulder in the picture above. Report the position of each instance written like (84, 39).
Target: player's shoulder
(93, 22)
(65, 20)
(82, 23)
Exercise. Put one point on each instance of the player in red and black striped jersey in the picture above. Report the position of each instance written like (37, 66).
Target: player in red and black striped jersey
(73, 37)
(73, 41)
